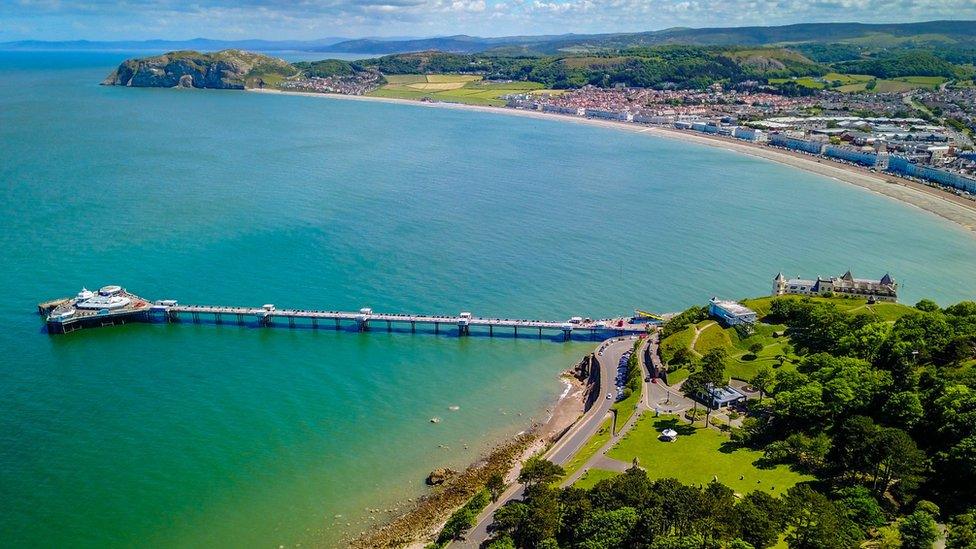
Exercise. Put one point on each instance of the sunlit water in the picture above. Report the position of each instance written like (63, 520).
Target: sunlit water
(198, 435)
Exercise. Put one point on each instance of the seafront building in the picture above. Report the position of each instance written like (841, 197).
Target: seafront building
(731, 313)
(884, 289)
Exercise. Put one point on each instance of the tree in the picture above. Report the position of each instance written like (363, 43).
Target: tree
(694, 387)
(495, 485)
(762, 380)
(927, 305)
(918, 531)
(817, 523)
(962, 531)
(607, 528)
(861, 506)
(539, 471)
(756, 348)
(903, 409)
(712, 372)
(759, 518)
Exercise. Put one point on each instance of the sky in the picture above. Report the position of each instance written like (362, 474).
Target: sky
(313, 19)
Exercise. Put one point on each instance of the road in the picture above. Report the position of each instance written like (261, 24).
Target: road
(570, 443)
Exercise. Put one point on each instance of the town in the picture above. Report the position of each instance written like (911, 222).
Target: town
(878, 131)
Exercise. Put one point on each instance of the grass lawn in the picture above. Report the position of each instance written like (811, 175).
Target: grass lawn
(452, 88)
(699, 455)
(883, 311)
(712, 336)
(593, 476)
(591, 447)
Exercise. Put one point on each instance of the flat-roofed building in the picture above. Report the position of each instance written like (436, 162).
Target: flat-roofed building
(731, 313)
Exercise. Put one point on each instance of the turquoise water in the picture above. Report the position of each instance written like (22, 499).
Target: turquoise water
(199, 435)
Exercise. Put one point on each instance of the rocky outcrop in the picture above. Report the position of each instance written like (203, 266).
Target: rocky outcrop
(227, 69)
(439, 476)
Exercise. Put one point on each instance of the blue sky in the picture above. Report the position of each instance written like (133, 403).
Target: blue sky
(308, 19)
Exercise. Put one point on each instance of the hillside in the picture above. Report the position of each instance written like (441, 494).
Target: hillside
(931, 33)
(225, 69)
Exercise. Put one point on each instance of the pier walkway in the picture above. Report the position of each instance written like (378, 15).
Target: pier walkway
(366, 320)
(114, 305)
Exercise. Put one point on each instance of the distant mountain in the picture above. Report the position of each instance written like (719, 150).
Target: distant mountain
(199, 44)
(859, 37)
(862, 34)
(455, 44)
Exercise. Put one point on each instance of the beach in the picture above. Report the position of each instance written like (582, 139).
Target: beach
(951, 207)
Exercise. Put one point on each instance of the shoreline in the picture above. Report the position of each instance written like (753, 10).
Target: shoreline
(422, 522)
(934, 200)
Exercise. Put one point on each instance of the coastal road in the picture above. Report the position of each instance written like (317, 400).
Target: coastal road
(608, 357)
(656, 397)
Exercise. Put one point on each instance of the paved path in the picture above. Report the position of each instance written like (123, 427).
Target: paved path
(570, 443)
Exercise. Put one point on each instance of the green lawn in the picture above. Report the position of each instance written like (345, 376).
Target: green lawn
(593, 476)
(452, 88)
(591, 447)
(699, 455)
(711, 337)
(679, 340)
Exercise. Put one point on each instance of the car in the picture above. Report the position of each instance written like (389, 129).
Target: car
(609, 396)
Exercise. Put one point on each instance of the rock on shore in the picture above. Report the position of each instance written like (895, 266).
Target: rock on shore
(227, 69)
(438, 476)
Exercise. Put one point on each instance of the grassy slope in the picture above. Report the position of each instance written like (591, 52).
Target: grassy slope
(698, 456)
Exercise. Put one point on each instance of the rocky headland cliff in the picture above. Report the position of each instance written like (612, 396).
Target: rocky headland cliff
(226, 69)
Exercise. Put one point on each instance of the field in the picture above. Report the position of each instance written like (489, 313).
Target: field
(696, 457)
(852, 83)
(452, 88)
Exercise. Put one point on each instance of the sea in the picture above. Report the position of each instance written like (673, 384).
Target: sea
(199, 435)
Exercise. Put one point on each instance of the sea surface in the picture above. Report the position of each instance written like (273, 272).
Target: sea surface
(200, 435)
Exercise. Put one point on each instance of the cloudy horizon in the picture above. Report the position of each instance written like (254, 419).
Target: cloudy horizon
(315, 19)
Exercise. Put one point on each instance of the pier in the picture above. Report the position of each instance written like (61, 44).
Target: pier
(113, 305)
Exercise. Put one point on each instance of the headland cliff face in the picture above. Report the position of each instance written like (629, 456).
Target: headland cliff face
(227, 69)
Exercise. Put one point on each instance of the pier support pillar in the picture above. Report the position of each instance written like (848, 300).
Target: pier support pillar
(491, 331)
(516, 331)
(217, 318)
(337, 324)
(464, 329)
(363, 325)
(196, 317)
(240, 319)
(315, 323)
(291, 322)
(567, 334)
(540, 333)
(413, 327)
(389, 326)
(437, 327)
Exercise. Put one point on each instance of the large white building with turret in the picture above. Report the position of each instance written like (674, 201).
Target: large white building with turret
(885, 289)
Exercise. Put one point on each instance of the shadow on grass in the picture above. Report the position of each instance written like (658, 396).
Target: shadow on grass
(683, 429)
(730, 446)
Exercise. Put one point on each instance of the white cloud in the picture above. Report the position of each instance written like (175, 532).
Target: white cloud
(302, 19)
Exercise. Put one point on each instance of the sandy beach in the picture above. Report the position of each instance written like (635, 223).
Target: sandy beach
(956, 209)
